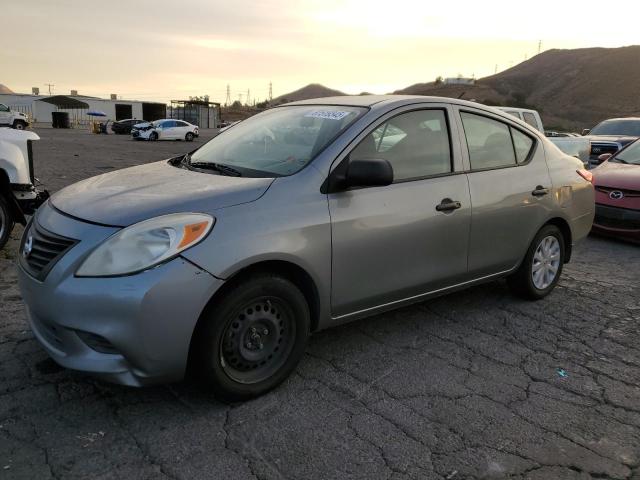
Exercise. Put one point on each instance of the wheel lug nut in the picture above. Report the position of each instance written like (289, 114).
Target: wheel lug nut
(253, 330)
(248, 344)
(265, 332)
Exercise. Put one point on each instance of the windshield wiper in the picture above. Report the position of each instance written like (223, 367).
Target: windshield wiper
(218, 167)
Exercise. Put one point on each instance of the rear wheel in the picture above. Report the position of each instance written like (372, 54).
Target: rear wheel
(253, 338)
(542, 265)
(6, 222)
(189, 137)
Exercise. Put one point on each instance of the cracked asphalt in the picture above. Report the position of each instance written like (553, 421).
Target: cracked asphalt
(477, 384)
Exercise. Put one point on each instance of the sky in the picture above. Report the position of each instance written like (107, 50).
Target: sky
(167, 49)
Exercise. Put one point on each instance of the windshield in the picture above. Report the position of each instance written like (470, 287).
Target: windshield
(630, 155)
(617, 127)
(278, 142)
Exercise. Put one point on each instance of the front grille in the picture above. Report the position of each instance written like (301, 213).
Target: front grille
(614, 217)
(40, 250)
(625, 192)
(598, 148)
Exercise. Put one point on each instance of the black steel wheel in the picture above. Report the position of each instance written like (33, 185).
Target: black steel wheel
(253, 337)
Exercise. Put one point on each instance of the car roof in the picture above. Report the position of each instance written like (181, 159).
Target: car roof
(371, 100)
(632, 119)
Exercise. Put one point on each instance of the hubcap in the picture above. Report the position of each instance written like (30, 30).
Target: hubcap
(546, 261)
(257, 340)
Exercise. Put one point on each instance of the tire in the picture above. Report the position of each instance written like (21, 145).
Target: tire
(6, 222)
(253, 338)
(153, 136)
(189, 137)
(542, 266)
(19, 125)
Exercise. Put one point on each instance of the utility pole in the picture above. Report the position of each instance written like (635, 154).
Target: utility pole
(227, 102)
(539, 47)
(247, 97)
(270, 91)
(49, 85)
(496, 70)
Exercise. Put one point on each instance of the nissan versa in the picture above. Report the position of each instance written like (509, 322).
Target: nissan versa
(221, 262)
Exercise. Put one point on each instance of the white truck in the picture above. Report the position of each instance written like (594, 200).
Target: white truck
(13, 119)
(19, 196)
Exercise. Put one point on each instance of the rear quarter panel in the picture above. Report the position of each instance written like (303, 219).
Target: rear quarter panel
(573, 195)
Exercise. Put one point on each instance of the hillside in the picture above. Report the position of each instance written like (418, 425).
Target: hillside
(313, 90)
(570, 88)
(5, 89)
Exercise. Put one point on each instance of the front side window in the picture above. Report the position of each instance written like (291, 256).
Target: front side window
(415, 143)
(280, 141)
(489, 142)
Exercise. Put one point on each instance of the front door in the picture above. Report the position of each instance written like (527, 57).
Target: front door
(5, 114)
(408, 238)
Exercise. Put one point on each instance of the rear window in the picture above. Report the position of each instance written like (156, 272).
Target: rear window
(530, 118)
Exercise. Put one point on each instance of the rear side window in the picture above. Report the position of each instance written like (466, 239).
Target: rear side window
(515, 114)
(530, 118)
(416, 144)
(522, 144)
(489, 142)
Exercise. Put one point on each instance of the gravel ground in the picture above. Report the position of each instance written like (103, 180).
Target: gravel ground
(476, 384)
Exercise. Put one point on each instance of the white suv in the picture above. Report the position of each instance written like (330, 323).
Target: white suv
(166, 129)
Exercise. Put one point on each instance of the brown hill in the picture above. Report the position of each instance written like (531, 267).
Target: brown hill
(313, 90)
(5, 89)
(571, 88)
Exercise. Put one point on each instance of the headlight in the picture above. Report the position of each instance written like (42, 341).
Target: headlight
(146, 244)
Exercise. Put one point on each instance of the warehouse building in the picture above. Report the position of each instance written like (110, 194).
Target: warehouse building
(39, 108)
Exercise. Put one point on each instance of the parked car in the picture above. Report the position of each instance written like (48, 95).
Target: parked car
(18, 194)
(617, 184)
(302, 217)
(610, 136)
(574, 147)
(13, 119)
(125, 126)
(166, 129)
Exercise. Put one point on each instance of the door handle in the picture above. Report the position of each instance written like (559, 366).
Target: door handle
(448, 205)
(540, 191)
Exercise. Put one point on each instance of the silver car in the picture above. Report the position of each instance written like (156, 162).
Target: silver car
(222, 262)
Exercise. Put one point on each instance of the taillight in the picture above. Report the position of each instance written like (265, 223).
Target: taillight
(586, 174)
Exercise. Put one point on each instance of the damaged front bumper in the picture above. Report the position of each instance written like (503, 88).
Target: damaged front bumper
(28, 199)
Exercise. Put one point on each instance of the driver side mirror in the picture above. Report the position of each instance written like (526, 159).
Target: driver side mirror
(604, 157)
(373, 172)
(585, 131)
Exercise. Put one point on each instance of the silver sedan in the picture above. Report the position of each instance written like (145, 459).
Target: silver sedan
(223, 261)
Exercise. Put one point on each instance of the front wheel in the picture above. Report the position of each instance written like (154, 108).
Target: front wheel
(253, 338)
(542, 265)
(6, 222)
(189, 137)
(19, 125)
(153, 136)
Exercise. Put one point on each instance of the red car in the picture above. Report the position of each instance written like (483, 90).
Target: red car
(617, 185)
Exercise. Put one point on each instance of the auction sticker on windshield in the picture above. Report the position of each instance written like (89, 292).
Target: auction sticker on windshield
(327, 114)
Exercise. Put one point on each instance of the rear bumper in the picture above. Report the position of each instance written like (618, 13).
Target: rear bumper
(133, 330)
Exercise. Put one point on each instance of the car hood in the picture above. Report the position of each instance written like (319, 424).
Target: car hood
(131, 195)
(617, 175)
(622, 139)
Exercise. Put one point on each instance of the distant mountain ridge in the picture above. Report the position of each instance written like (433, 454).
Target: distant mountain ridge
(5, 89)
(571, 88)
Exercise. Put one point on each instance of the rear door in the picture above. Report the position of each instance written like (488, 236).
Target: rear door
(510, 190)
(394, 242)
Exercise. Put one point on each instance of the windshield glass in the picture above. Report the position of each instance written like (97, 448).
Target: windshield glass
(631, 154)
(278, 142)
(617, 127)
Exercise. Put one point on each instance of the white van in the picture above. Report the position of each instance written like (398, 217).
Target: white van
(531, 117)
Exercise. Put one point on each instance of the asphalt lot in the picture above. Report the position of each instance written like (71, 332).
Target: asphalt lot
(476, 384)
